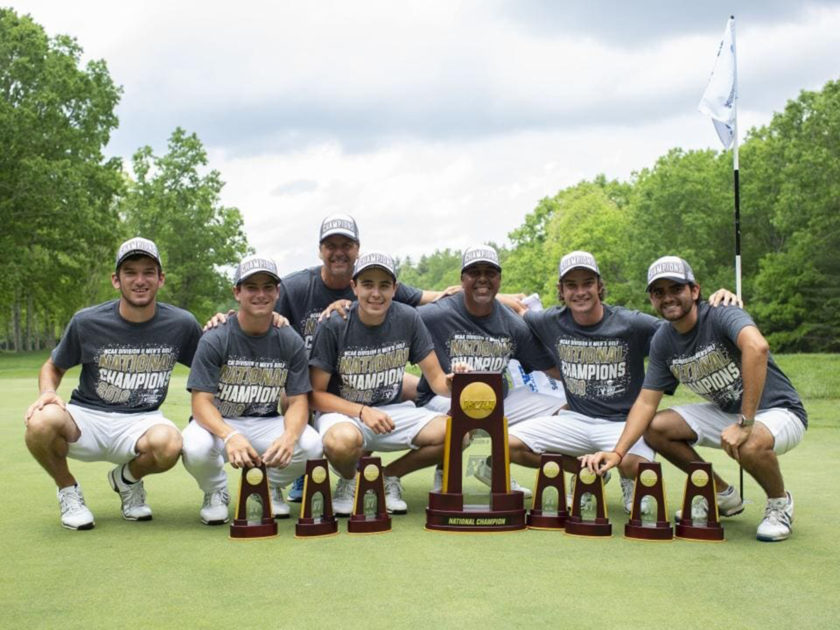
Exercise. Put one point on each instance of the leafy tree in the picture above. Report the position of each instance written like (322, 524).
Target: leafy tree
(56, 189)
(171, 202)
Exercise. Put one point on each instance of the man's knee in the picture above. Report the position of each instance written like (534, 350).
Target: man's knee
(342, 439)
(433, 434)
(46, 424)
(163, 443)
(668, 425)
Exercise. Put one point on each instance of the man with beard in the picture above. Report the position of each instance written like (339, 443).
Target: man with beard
(127, 348)
(754, 414)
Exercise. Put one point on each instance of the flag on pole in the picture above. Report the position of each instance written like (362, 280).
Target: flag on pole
(718, 102)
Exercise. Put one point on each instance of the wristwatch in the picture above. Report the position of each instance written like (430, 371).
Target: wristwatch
(743, 421)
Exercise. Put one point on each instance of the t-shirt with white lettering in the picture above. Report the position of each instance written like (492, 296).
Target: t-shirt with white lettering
(247, 373)
(126, 366)
(304, 296)
(603, 365)
(486, 343)
(707, 360)
(367, 362)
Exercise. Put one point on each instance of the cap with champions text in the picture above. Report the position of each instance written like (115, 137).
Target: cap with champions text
(375, 260)
(480, 254)
(672, 268)
(339, 225)
(578, 260)
(137, 246)
(251, 265)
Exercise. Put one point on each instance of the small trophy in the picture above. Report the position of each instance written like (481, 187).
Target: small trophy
(700, 486)
(588, 483)
(476, 404)
(649, 484)
(316, 513)
(548, 510)
(369, 513)
(253, 511)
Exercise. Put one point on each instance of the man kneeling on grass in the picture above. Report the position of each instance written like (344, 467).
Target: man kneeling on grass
(753, 413)
(356, 369)
(238, 375)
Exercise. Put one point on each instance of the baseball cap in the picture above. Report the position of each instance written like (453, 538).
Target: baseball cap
(480, 254)
(341, 225)
(137, 245)
(251, 265)
(375, 259)
(670, 267)
(578, 260)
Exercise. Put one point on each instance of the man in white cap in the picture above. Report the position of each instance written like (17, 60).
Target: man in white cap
(356, 368)
(127, 349)
(753, 413)
(473, 328)
(238, 375)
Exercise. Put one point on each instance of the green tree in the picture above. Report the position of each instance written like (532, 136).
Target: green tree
(171, 202)
(57, 190)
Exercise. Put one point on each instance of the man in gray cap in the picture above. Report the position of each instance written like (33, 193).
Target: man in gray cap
(238, 375)
(127, 349)
(357, 365)
(473, 328)
(753, 412)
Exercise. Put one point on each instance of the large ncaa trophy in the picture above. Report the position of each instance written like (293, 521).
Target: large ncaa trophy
(649, 484)
(545, 514)
(316, 511)
(369, 513)
(476, 404)
(587, 482)
(700, 486)
(253, 511)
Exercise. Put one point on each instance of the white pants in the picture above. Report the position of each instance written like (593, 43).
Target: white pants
(204, 454)
(520, 404)
(408, 422)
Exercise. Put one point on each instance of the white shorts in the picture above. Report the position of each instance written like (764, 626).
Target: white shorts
(408, 419)
(108, 435)
(573, 434)
(520, 404)
(204, 454)
(708, 421)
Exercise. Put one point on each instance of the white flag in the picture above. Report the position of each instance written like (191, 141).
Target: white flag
(719, 99)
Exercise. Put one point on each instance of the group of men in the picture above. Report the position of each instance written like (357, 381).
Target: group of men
(334, 381)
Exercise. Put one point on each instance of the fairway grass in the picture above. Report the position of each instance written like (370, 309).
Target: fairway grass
(175, 572)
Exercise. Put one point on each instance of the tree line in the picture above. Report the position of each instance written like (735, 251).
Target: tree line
(683, 205)
(65, 207)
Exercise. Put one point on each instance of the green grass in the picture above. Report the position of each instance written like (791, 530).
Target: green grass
(175, 572)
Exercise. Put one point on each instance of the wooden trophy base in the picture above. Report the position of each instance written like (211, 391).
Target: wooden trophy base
(309, 527)
(578, 527)
(361, 525)
(661, 530)
(709, 533)
(241, 529)
(537, 520)
(447, 512)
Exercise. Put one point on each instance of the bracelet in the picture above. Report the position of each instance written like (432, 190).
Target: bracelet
(230, 435)
(620, 456)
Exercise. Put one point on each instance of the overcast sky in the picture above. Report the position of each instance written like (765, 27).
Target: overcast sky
(435, 123)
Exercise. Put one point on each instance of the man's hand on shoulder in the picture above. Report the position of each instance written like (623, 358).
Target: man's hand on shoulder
(724, 297)
(339, 306)
(218, 319)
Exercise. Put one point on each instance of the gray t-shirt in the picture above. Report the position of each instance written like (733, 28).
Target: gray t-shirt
(486, 344)
(367, 362)
(603, 365)
(707, 361)
(126, 366)
(247, 373)
(304, 296)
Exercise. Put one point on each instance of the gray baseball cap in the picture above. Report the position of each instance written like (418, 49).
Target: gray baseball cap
(670, 267)
(578, 260)
(137, 245)
(341, 225)
(375, 259)
(251, 265)
(480, 254)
